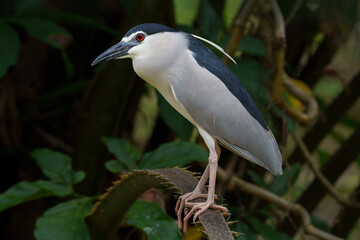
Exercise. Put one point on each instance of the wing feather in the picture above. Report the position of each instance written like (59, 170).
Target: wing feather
(229, 115)
(213, 107)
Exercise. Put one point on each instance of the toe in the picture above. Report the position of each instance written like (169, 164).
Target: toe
(177, 205)
(201, 210)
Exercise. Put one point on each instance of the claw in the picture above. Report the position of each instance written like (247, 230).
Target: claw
(218, 196)
(196, 208)
(183, 203)
(227, 215)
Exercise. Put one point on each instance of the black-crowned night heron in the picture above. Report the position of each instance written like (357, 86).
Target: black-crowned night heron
(203, 90)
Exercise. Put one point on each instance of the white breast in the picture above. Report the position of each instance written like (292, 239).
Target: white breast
(159, 60)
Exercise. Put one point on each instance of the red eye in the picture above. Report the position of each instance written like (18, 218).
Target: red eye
(140, 37)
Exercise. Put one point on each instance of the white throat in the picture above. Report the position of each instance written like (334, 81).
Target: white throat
(157, 54)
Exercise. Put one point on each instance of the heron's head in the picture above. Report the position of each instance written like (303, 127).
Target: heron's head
(150, 42)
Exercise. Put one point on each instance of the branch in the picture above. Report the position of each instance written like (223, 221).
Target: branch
(54, 141)
(333, 169)
(322, 178)
(347, 218)
(239, 28)
(279, 21)
(294, 9)
(305, 98)
(111, 208)
(332, 114)
(287, 205)
(282, 80)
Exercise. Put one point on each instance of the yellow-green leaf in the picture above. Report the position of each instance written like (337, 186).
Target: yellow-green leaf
(10, 46)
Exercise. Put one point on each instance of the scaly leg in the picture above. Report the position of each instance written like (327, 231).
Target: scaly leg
(199, 208)
(184, 199)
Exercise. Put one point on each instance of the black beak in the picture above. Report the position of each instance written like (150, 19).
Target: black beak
(119, 50)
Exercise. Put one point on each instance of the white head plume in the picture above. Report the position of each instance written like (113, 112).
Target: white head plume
(215, 45)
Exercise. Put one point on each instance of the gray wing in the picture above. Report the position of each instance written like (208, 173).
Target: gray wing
(207, 59)
(274, 166)
(214, 108)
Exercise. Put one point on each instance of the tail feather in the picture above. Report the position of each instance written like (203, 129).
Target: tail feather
(273, 161)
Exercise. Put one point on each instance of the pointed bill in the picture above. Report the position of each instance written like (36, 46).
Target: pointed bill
(119, 50)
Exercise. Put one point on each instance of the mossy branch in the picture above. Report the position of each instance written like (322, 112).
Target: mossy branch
(113, 205)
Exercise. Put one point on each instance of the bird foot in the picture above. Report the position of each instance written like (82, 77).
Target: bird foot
(196, 208)
(183, 202)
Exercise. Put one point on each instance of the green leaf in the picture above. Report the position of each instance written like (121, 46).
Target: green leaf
(291, 124)
(27, 191)
(281, 183)
(63, 91)
(23, 5)
(128, 5)
(230, 10)
(73, 19)
(323, 157)
(256, 178)
(21, 192)
(328, 88)
(253, 75)
(181, 126)
(78, 176)
(337, 136)
(173, 154)
(69, 67)
(266, 231)
(44, 30)
(211, 24)
(186, 11)
(50, 33)
(65, 221)
(10, 46)
(245, 232)
(358, 161)
(349, 122)
(252, 45)
(153, 220)
(56, 189)
(57, 166)
(115, 166)
(319, 223)
(124, 152)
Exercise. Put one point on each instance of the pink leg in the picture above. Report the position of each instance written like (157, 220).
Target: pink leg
(184, 199)
(199, 208)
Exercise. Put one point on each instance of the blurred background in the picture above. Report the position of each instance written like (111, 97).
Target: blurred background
(67, 130)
